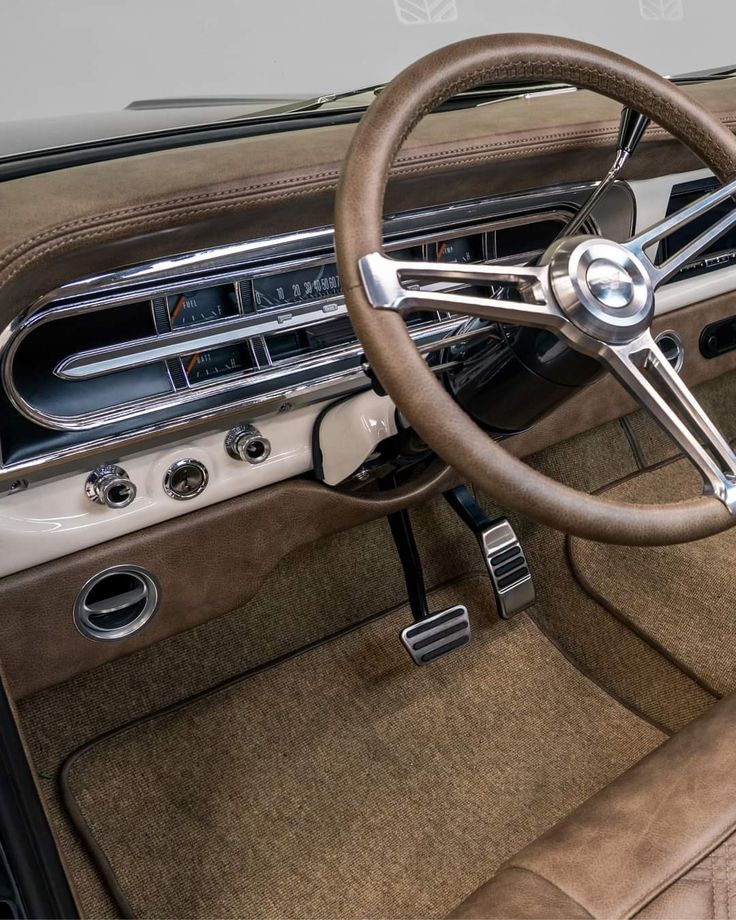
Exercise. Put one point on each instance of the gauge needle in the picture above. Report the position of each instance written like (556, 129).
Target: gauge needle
(191, 363)
(441, 250)
(177, 308)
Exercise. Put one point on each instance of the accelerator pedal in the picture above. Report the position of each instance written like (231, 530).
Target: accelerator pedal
(502, 552)
(437, 634)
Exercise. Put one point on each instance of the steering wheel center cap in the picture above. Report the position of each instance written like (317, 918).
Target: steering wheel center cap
(610, 284)
(602, 288)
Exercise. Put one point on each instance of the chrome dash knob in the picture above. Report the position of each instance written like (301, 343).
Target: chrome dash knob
(246, 443)
(109, 485)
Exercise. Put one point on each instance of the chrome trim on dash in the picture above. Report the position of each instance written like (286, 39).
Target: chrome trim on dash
(139, 352)
(225, 264)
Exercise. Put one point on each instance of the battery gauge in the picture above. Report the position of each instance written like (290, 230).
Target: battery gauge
(217, 362)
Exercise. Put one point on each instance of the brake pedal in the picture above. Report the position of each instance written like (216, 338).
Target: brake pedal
(431, 635)
(437, 635)
(503, 554)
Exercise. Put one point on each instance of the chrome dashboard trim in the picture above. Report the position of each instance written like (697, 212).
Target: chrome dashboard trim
(231, 263)
(163, 271)
(92, 420)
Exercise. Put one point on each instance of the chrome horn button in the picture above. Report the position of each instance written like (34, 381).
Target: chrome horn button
(610, 284)
(602, 288)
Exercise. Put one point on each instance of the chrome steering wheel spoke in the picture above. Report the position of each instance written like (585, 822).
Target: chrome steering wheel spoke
(597, 296)
(391, 284)
(639, 244)
(647, 375)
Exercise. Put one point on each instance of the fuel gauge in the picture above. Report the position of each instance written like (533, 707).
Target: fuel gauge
(190, 308)
(461, 249)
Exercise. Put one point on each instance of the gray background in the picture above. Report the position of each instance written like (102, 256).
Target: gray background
(70, 56)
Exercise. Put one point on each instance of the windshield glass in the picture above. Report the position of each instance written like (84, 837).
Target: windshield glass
(69, 57)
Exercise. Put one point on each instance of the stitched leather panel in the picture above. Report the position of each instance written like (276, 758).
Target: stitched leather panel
(61, 225)
(643, 843)
(706, 892)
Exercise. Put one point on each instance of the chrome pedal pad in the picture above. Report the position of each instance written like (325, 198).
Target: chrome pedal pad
(502, 553)
(436, 635)
(508, 568)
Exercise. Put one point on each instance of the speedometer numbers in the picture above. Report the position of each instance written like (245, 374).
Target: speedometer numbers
(289, 289)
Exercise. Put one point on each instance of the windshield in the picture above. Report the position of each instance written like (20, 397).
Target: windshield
(69, 57)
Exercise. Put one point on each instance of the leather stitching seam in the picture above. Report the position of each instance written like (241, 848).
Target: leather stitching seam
(245, 192)
(589, 76)
(677, 874)
(65, 233)
(407, 165)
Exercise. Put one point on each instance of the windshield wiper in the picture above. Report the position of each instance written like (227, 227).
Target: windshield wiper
(276, 106)
(705, 76)
(502, 92)
(204, 102)
(296, 105)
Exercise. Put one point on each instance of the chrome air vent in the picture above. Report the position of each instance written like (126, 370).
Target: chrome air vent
(252, 328)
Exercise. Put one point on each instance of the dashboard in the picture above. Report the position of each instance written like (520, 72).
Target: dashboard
(136, 396)
(260, 326)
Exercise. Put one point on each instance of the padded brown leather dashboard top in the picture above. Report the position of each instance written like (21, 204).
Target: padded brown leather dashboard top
(61, 225)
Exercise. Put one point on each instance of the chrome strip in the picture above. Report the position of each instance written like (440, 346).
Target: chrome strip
(181, 342)
(138, 352)
(158, 403)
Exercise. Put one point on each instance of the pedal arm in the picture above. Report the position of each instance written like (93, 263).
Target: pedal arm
(411, 564)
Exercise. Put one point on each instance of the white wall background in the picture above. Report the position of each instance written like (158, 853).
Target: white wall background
(68, 56)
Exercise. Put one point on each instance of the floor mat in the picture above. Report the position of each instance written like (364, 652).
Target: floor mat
(348, 783)
(681, 598)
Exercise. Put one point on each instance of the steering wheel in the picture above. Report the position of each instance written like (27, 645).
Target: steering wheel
(594, 294)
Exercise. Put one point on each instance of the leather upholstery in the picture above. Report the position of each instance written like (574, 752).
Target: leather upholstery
(655, 843)
(706, 892)
(383, 334)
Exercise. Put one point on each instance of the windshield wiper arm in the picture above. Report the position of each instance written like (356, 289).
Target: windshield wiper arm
(203, 102)
(296, 105)
(279, 105)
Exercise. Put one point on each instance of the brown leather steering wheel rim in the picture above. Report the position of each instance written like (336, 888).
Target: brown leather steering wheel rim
(428, 407)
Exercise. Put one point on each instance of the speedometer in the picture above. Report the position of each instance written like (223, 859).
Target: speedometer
(296, 287)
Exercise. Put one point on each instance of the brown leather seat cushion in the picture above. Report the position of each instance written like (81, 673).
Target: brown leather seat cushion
(657, 842)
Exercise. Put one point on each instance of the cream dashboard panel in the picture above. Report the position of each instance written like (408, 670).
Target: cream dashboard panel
(56, 517)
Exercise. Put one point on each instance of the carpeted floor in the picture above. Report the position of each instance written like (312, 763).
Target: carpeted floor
(679, 597)
(334, 583)
(347, 782)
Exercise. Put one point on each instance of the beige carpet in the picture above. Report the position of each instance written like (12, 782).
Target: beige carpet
(348, 783)
(681, 598)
